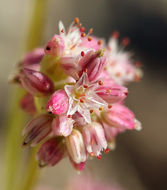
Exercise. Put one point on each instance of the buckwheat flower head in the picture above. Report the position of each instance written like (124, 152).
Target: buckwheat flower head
(75, 97)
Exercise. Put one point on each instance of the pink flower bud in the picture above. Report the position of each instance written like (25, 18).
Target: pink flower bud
(36, 83)
(112, 93)
(58, 102)
(51, 152)
(93, 63)
(62, 125)
(119, 116)
(94, 138)
(32, 59)
(37, 129)
(55, 46)
(76, 147)
(27, 104)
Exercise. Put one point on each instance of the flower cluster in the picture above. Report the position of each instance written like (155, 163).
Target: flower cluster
(76, 95)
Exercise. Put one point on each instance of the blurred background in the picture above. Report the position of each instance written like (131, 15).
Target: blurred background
(140, 159)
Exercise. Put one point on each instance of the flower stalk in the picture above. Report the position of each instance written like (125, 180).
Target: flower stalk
(16, 117)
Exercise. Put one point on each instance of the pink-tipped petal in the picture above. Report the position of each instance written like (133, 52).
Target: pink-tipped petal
(119, 116)
(37, 129)
(58, 103)
(113, 93)
(94, 138)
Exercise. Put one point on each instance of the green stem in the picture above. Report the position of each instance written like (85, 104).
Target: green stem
(13, 140)
(16, 118)
(31, 171)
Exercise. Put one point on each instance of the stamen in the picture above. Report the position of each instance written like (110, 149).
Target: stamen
(107, 150)
(90, 30)
(69, 116)
(99, 157)
(92, 154)
(100, 109)
(125, 41)
(108, 90)
(85, 86)
(91, 111)
(100, 83)
(100, 52)
(83, 35)
(79, 25)
(115, 34)
(99, 42)
(85, 70)
(89, 38)
(82, 29)
(76, 20)
(126, 93)
(82, 100)
(62, 31)
(109, 106)
(82, 53)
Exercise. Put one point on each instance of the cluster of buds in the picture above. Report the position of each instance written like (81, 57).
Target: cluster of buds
(76, 96)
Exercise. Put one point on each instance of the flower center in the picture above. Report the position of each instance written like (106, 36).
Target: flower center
(79, 93)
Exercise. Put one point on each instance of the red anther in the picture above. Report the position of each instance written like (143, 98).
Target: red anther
(100, 83)
(125, 41)
(115, 34)
(118, 74)
(83, 35)
(90, 30)
(107, 150)
(89, 38)
(136, 78)
(62, 31)
(138, 64)
(91, 111)
(85, 70)
(79, 25)
(85, 86)
(76, 20)
(82, 100)
(82, 53)
(126, 93)
(99, 157)
(100, 109)
(92, 154)
(69, 116)
(82, 29)
(109, 106)
(99, 42)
